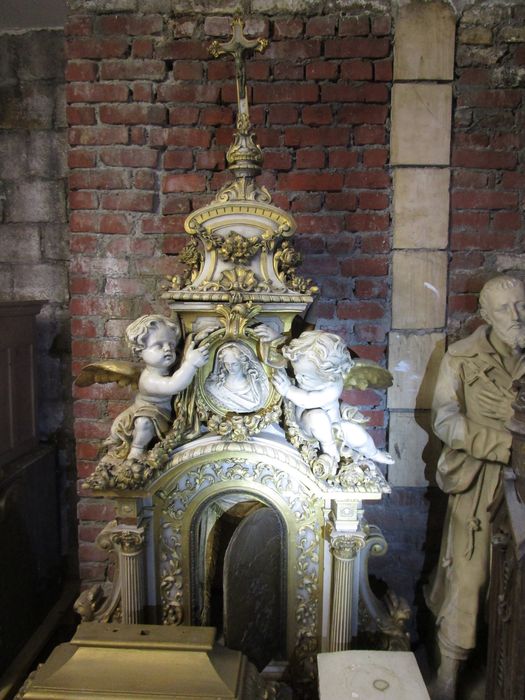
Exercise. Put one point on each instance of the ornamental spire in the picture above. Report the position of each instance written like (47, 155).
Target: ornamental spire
(244, 155)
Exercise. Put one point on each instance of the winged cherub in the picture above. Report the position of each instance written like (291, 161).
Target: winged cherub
(323, 367)
(154, 339)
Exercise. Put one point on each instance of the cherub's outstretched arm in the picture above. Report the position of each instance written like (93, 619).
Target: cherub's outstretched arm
(316, 398)
(158, 385)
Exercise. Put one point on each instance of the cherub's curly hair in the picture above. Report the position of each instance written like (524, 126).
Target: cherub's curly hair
(138, 331)
(326, 351)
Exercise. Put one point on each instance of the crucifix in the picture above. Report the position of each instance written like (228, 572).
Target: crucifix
(237, 47)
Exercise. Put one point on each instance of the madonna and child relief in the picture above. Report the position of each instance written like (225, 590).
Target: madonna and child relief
(237, 382)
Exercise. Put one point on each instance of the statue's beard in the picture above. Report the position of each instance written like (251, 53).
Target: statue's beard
(514, 336)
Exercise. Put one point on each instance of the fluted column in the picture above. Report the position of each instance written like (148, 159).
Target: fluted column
(130, 546)
(345, 548)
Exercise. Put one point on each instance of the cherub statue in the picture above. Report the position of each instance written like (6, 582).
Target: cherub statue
(153, 339)
(322, 366)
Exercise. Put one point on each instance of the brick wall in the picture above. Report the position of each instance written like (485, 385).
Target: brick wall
(150, 119)
(488, 157)
(33, 221)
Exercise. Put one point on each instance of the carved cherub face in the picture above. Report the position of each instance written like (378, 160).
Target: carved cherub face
(160, 347)
(504, 310)
(308, 376)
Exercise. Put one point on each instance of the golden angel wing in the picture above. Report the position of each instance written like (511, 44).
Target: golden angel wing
(119, 371)
(366, 374)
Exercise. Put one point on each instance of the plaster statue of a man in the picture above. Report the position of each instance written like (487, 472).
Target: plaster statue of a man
(472, 402)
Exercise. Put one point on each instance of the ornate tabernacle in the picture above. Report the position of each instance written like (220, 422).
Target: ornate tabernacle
(239, 504)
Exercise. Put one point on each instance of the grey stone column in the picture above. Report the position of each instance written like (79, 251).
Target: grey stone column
(345, 548)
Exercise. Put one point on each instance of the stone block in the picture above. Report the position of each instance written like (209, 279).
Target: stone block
(48, 154)
(7, 61)
(421, 124)
(510, 263)
(476, 35)
(307, 7)
(419, 289)
(55, 241)
(20, 243)
(86, 6)
(27, 106)
(46, 281)
(514, 34)
(421, 207)
(41, 55)
(414, 362)
(6, 282)
(36, 201)
(13, 156)
(424, 42)
(60, 107)
(414, 447)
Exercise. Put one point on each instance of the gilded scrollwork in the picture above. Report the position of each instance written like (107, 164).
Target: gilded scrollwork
(286, 261)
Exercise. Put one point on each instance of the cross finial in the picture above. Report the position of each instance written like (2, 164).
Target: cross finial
(237, 47)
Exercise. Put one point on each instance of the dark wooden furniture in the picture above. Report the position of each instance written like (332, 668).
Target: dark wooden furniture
(506, 653)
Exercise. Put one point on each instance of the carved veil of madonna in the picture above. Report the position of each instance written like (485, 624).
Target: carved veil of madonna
(254, 424)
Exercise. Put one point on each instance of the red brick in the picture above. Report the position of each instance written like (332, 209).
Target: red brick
(469, 220)
(172, 245)
(463, 138)
(321, 26)
(359, 310)
(185, 49)
(321, 136)
(368, 135)
(375, 158)
(365, 267)
(83, 285)
(223, 136)
(498, 160)
(367, 222)
(474, 76)
(114, 223)
(354, 26)
(310, 158)
(311, 181)
(467, 260)
(373, 200)
(369, 333)
(285, 92)
(368, 92)
(81, 71)
(324, 224)
(362, 114)
(342, 158)
(375, 243)
(513, 181)
(188, 137)
(258, 70)
(99, 510)
(383, 70)
(142, 92)
(277, 160)
(175, 205)
(184, 115)
(506, 221)
(470, 179)
(368, 179)
(142, 48)
(122, 286)
(127, 201)
(130, 157)
(462, 303)
(287, 28)
(144, 179)
(358, 48)
(357, 70)
(193, 94)
(322, 70)
(221, 70)
(138, 135)
(178, 159)
(317, 115)
(133, 114)
(188, 70)
(96, 48)
(310, 202)
(283, 114)
(211, 116)
(98, 180)
(469, 199)
(83, 200)
(371, 289)
(300, 50)
(288, 71)
(80, 115)
(217, 26)
(133, 69)
(491, 99)
(89, 92)
(77, 25)
(506, 140)
(129, 24)
(100, 305)
(80, 328)
(381, 25)
(83, 244)
(210, 160)
(97, 135)
(341, 201)
(192, 182)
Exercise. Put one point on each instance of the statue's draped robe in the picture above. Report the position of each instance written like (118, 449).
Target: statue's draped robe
(476, 448)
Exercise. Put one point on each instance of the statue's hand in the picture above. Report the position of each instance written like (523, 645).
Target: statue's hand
(196, 356)
(495, 403)
(281, 382)
(265, 333)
